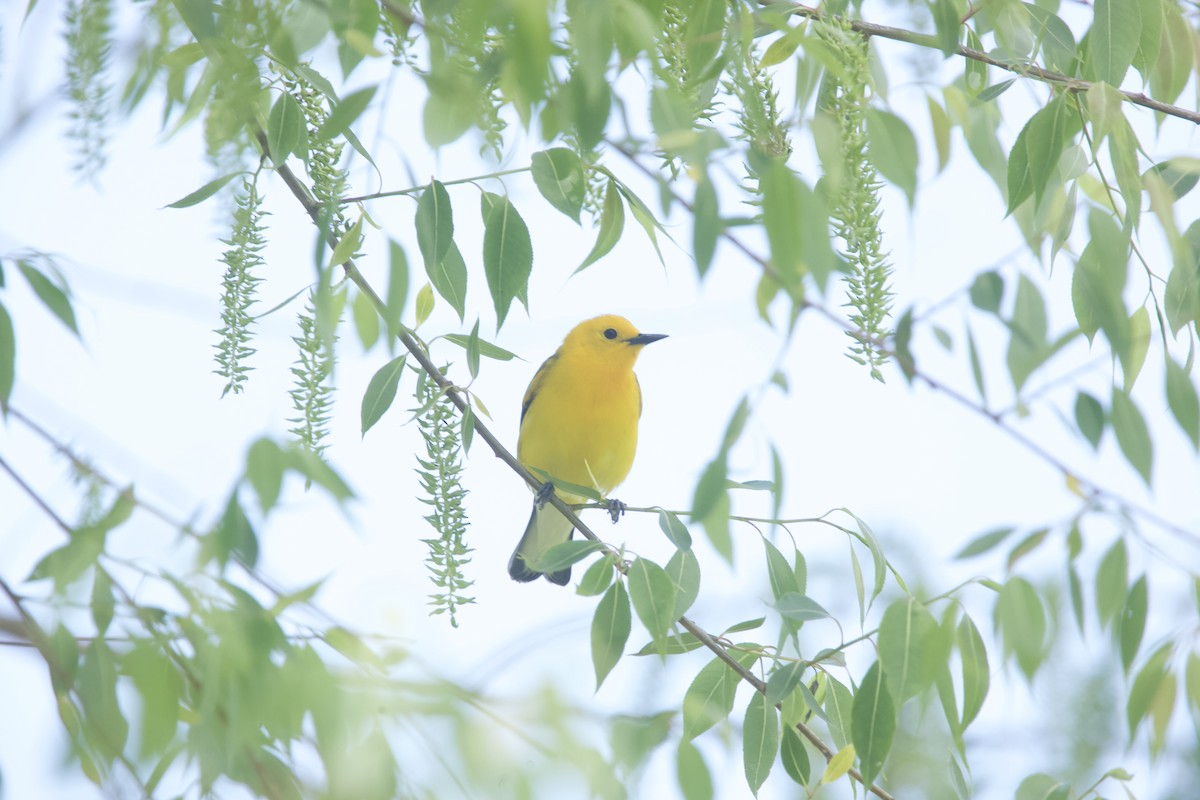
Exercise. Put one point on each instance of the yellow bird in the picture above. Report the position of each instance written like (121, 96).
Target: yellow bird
(579, 423)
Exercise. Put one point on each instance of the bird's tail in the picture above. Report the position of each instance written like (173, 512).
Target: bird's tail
(547, 527)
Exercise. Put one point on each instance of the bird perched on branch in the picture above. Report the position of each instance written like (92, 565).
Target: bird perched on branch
(579, 422)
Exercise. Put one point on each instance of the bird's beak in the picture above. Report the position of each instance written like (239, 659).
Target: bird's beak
(645, 338)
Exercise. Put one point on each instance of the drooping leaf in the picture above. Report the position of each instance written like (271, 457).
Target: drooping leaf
(1132, 434)
(559, 176)
(381, 391)
(874, 722)
(507, 253)
(760, 741)
(610, 630)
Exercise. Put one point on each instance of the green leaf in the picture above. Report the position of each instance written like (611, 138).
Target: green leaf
(265, 464)
(760, 741)
(684, 571)
(779, 572)
(947, 24)
(397, 291)
(1027, 347)
(1034, 158)
(1055, 40)
(102, 600)
(709, 698)
(348, 245)
(233, 537)
(1132, 434)
(1173, 67)
(507, 253)
(8, 358)
(709, 488)
(909, 649)
(794, 756)
(97, 688)
(160, 686)
(285, 128)
(1111, 578)
(893, 149)
(1113, 40)
(610, 630)
(1089, 417)
(366, 321)
(1133, 621)
(486, 348)
(784, 680)
(987, 290)
(634, 738)
(695, 782)
(674, 529)
(345, 112)
(653, 595)
(706, 224)
(702, 34)
(874, 723)
(564, 554)
(473, 351)
(612, 223)
(1139, 345)
(204, 192)
(797, 227)
(597, 578)
(435, 224)
(1040, 786)
(985, 542)
(449, 277)
(838, 703)
(559, 176)
(1146, 685)
(1026, 546)
(381, 391)
(1181, 397)
(976, 675)
(799, 607)
(53, 296)
(677, 644)
(1023, 624)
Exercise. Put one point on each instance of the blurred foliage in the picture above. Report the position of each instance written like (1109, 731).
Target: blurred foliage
(224, 680)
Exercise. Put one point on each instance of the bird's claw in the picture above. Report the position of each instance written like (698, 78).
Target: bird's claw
(543, 494)
(615, 509)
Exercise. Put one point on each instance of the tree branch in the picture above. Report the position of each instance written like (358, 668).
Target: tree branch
(1023, 70)
(456, 395)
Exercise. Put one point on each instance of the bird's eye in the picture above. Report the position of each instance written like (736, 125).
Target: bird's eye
(610, 333)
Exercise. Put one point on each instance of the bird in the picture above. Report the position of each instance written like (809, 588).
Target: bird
(579, 424)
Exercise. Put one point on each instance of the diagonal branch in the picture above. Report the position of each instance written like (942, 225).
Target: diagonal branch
(462, 402)
(1023, 70)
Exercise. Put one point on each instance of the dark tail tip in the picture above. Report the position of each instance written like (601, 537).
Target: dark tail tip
(519, 571)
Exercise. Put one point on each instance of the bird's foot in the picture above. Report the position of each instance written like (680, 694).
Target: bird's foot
(615, 508)
(543, 494)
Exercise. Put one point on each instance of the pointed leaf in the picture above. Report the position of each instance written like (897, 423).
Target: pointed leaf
(612, 223)
(874, 725)
(507, 253)
(760, 741)
(610, 630)
(559, 176)
(381, 391)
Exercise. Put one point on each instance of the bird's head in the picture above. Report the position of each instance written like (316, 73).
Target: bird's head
(611, 338)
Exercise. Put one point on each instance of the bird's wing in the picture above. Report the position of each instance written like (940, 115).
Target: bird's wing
(535, 385)
(638, 384)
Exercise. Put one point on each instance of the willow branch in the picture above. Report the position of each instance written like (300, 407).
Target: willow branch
(462, 402)
(1022, 70)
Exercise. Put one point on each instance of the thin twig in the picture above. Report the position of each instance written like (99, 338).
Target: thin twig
(1023, 70)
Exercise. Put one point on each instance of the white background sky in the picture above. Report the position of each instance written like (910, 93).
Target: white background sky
(138, 397)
